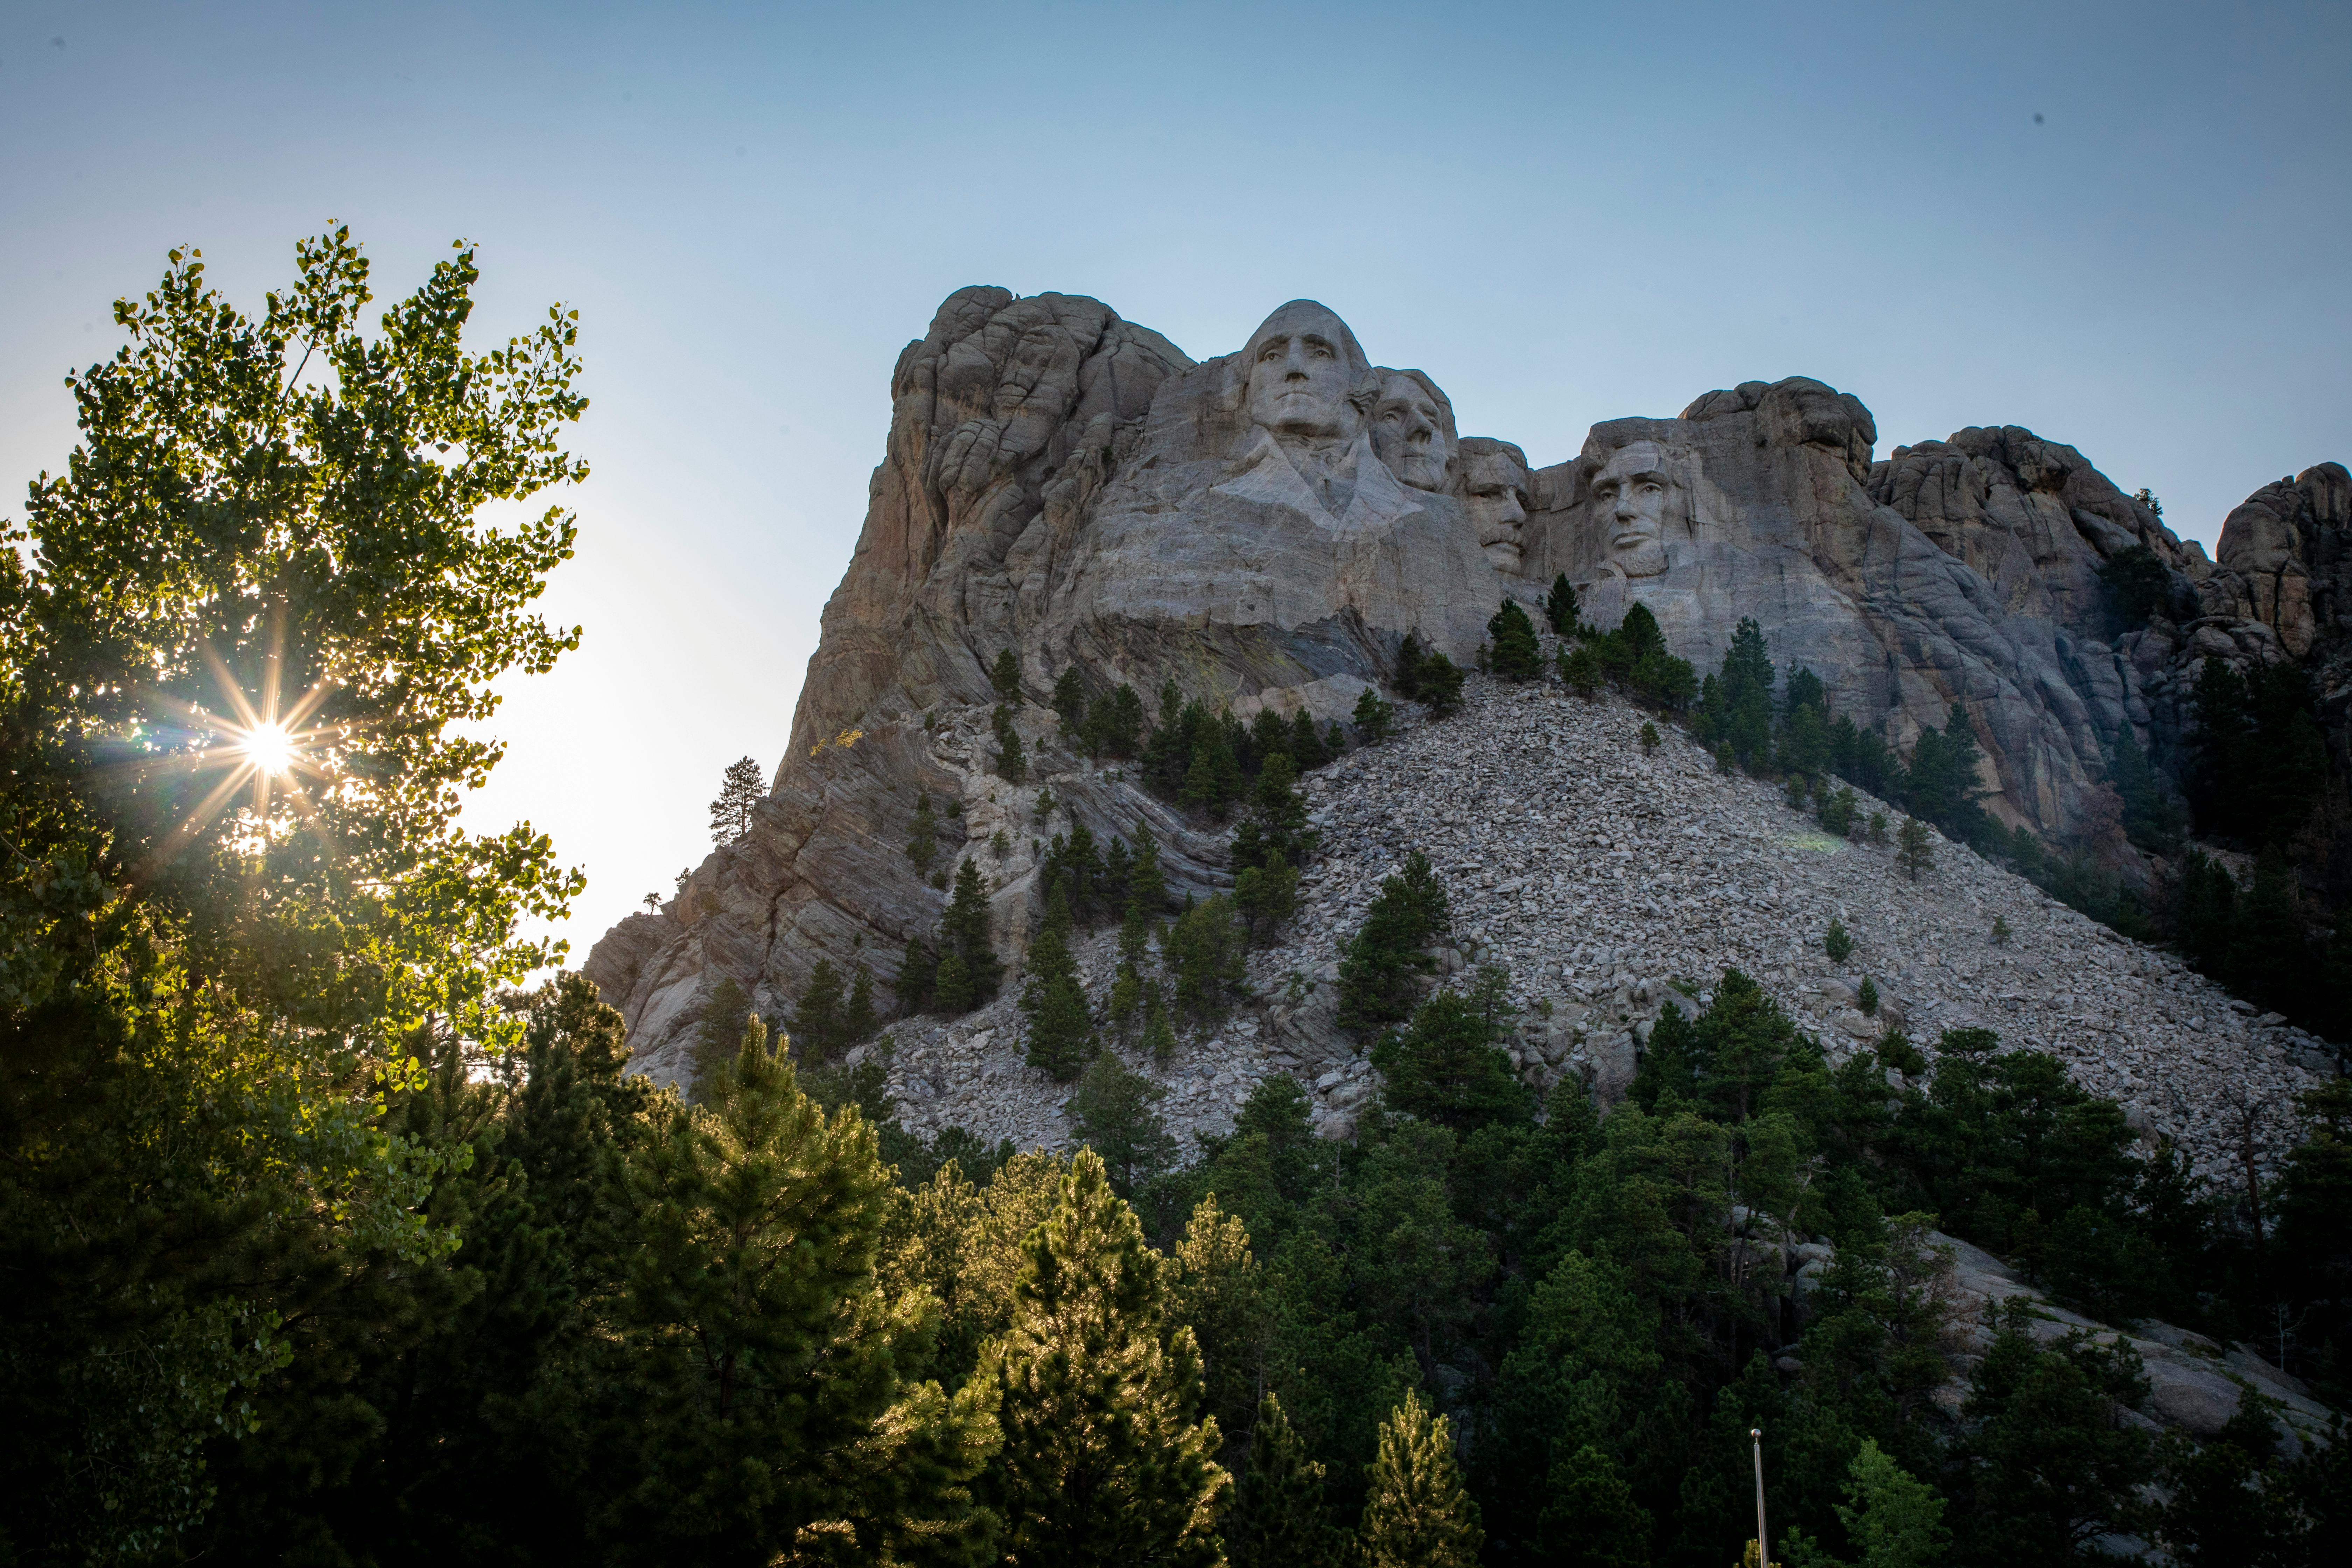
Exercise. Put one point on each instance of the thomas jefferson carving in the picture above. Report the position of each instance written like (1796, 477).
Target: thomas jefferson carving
(1412, 429)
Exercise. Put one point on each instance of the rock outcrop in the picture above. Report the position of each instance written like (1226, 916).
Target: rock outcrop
(1610, 881)
(1265, 527)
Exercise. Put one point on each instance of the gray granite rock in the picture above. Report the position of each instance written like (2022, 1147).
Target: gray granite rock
(1265, 527)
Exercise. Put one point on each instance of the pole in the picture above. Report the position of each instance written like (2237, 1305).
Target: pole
(1763, 1541)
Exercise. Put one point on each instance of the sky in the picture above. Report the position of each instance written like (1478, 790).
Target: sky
(2127, 227)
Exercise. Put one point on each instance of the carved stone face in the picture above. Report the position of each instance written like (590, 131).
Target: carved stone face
(1633, 497)
(1409, 433)
(1304, 368)
(1495, 492)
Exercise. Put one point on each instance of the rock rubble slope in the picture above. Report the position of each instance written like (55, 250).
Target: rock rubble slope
(1608, 881)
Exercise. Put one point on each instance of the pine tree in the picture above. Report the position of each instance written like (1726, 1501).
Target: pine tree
(1213, 777)
(1579, 670)
(1589, 1519)
(1409, 660)
(859, 1020)
(1267, 894)
(1837, 809)
(2269, 958)
(1444, 1066)
(1439, 684)
(1205, 956)
(1124, 1003)
(1516, 656)
(1004, 677)
(917, 980)
(1168, 755)
(745, 1362)
(1123, 734)
(1060, 1028)
(1418, 1515)
(1117, 876)
(1106, 1457)
(1335, 739)
(1276, 822)
(1914, 850)
(816, 1022)
(952, 986)
(1158, 1031)
(1011, 762)
(922, 843)
(1146, 887)
(2147, 810)
(964, 942)
(1377, 972)
(742, 788)
(1070, 703)
(1269, 735)
(1113, 1114)
(718, 1030)
(1805, 741)
(1372, 716)
(1740, 713)
(1561, 608)
(1837, 942)
(1279, 1519)
(1306, 747)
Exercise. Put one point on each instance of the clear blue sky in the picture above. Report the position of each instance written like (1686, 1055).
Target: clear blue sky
(1564, 214)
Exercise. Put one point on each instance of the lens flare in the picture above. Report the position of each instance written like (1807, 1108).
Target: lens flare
(270, 749)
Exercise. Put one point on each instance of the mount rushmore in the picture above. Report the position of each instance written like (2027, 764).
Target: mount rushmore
(1265, 527)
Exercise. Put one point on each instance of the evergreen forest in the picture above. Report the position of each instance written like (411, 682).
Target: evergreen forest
(333, 1230)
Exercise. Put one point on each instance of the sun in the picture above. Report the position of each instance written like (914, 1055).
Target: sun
(270, 749)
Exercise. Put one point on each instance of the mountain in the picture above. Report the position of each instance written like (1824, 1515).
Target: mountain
(1265, 529)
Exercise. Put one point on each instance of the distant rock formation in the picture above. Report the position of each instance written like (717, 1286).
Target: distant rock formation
(1265, 527)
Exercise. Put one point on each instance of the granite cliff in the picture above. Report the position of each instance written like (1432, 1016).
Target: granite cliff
(1265, 527)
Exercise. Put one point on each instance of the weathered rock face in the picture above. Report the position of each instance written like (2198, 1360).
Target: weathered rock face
(2285, 559)
(1265, 527)
(1955, 571)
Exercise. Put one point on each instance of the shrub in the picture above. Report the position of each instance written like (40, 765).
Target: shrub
(1837, 810)
(1837, 942)
(1649, 737)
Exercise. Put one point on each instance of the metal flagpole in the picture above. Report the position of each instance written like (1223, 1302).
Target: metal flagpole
(1763, 1541)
